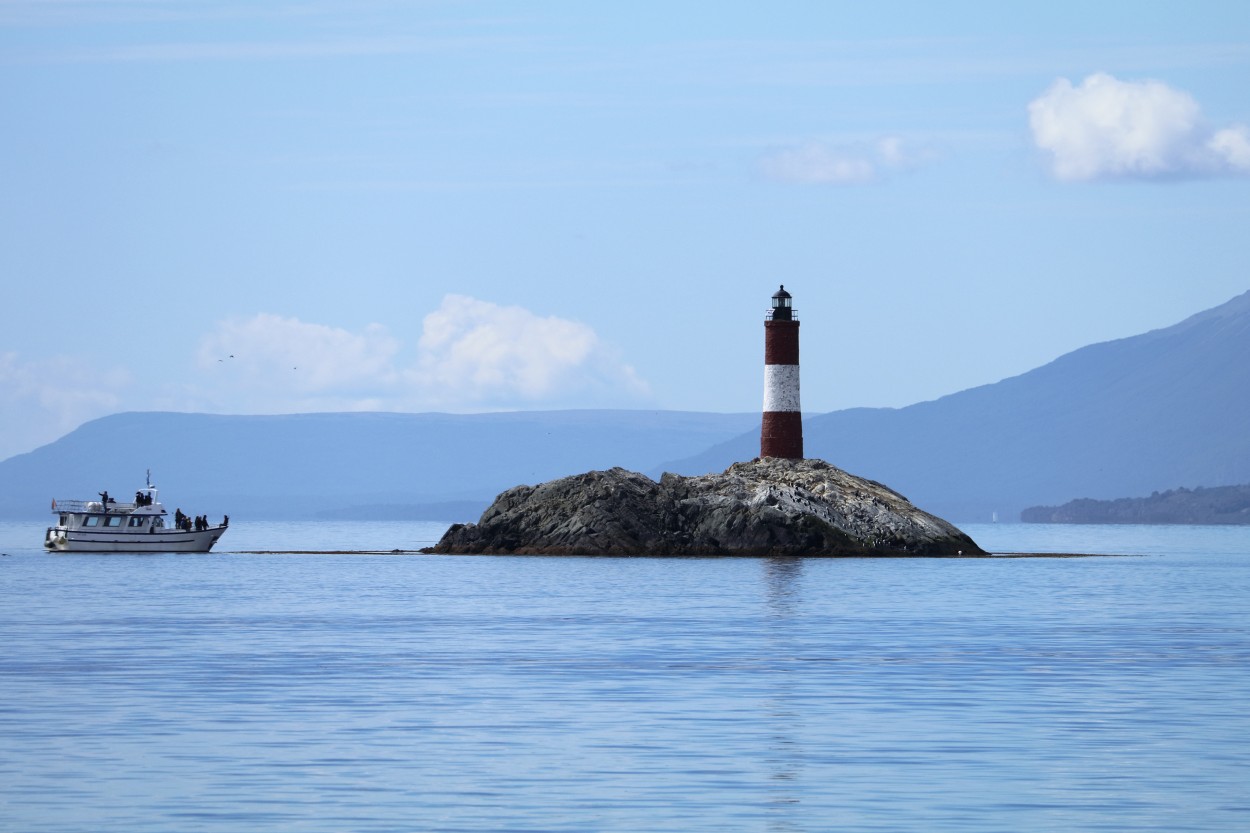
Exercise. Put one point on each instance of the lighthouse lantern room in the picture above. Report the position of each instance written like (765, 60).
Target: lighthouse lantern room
(781, 305)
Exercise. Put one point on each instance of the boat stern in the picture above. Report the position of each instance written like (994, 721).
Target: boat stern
(54, 540)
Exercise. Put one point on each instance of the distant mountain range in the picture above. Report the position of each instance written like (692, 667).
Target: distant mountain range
(1158, 411)
(1217, 505)
(336, 465)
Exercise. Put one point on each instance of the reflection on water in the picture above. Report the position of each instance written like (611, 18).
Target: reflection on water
(323, 693)
(781, 584)
(782, 588)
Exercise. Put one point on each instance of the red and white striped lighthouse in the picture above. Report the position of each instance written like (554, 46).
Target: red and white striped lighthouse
(782, 432)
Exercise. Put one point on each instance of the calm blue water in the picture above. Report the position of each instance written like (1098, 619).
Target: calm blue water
(231, 692)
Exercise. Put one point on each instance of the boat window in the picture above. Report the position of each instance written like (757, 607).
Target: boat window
(135, 520)
(113, 520)
(91, 520)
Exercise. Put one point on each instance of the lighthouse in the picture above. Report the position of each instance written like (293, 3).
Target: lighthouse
(782, 432)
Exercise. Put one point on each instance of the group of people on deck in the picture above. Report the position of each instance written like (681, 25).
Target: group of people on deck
(200, 522)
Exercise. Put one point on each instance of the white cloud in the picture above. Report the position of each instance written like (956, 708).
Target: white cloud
(471, 355)
(1232, 145)
(291, 356)
(1106, 128)
(474, 352)
(44, 399)
(823, 163)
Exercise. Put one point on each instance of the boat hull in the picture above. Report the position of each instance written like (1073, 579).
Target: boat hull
(59, 539)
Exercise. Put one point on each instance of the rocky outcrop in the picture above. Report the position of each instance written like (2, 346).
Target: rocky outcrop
(767, 507)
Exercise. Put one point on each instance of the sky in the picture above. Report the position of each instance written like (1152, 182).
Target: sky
(286, 207)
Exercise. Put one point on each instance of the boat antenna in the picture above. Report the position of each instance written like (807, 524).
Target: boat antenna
(149, 478)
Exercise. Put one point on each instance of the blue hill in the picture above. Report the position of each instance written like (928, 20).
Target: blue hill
(320, 465)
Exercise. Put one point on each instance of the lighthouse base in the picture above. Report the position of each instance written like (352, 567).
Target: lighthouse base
(782, 435)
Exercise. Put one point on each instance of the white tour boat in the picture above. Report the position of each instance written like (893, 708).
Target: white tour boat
(105, 525)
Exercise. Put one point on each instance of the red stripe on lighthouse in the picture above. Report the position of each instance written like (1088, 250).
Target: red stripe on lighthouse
(781, 434)
(781, 342)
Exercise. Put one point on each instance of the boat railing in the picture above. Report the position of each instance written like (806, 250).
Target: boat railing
(90, 506)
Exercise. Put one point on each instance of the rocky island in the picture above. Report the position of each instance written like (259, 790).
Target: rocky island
(766, 507)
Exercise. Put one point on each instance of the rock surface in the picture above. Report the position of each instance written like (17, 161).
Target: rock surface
(767, 507)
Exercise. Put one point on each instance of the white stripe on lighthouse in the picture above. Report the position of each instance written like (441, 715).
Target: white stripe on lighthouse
(781, 388)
